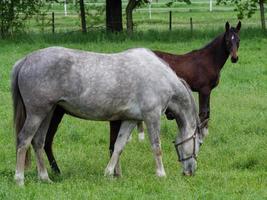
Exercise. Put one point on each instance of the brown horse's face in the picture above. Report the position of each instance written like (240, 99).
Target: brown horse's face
(232, 40)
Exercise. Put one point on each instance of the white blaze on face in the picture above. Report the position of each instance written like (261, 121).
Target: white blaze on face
(233, 37)
(205, 131)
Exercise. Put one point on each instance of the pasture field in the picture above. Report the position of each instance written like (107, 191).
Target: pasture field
(159, 20)
(232, 163)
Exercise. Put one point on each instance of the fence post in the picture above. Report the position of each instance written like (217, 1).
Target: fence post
(53, 22)
(210, 5)
(191, 25)
(170, 20)
(65, 8)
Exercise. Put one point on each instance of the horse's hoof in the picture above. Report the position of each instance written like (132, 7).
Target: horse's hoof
(161, 174)
(45, 179)
(56, 173)
(109, 173)
(19, 178)
(48, 181)
(117, 175)
(55, 170)
(19, 182)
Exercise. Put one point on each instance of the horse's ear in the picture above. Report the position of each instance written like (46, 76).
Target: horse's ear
(238, 26)
(227, 26)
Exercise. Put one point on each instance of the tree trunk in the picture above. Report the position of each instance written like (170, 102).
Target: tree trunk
(129, 14)
(113, 16)
(83, 19)
(263, 25)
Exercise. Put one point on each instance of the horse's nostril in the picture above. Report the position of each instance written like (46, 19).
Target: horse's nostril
(234, 59)
(187, 173)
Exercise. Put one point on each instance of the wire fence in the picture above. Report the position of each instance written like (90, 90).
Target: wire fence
(144, 19)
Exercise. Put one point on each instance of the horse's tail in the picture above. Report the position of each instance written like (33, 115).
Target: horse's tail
(19, 112)
(191, 98)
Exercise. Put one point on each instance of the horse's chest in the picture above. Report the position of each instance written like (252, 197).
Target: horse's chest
(215, 81)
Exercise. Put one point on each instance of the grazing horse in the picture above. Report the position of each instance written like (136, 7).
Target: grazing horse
(199, 68)
(131, 86)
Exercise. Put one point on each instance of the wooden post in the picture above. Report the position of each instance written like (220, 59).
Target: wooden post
(263, 25)
(170, 20)
(53, 22)
(191, 25)
(83, 20)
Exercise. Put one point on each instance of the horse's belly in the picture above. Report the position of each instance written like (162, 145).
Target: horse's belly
(102, 113)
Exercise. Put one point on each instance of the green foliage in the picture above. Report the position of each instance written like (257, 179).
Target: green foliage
(94, 15)
(13, 14)
(245, 8)
(170, 3)
(42, 18)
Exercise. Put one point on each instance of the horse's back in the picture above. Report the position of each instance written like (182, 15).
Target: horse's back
(62, 64)
(125, 83)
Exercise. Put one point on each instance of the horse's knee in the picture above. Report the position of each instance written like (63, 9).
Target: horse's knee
(37, 143)
(23, 142)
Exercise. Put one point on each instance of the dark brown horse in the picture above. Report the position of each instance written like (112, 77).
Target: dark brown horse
(200, 68)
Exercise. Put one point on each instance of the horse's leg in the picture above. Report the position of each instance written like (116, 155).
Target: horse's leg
(204, 108)
(56, 119)
(124, 133)
(153, 126)
(140, 128)
(38, 146)
(114, 131)
(24, 139)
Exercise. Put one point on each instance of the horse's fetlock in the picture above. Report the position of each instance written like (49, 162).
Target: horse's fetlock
(19, 178)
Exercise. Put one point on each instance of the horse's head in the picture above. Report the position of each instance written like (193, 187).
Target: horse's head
(232, 40)
(187, 149)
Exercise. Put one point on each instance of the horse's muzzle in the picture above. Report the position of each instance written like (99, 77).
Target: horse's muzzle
(234, 59)
(188, 173)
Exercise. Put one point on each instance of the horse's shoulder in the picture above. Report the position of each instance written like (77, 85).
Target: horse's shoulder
(140, 50)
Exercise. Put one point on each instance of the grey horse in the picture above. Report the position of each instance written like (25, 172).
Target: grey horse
(132, 86)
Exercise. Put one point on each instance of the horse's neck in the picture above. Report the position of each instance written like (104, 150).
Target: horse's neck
(217, 52)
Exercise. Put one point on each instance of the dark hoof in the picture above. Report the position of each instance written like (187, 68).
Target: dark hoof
(55, 169)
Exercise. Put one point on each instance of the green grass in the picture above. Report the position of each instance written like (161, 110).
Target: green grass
(231, 164)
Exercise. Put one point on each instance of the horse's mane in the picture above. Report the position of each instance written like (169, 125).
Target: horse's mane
(191, 98)
(211, 43)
